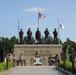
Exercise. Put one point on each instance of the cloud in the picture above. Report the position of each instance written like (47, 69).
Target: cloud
(34, 26)
(35, 9)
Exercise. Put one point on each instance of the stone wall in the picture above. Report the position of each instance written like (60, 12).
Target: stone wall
(29, 50)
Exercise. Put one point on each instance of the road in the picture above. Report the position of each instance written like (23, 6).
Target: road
(34, 70)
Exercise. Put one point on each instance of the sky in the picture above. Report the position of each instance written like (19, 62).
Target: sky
(27, 13)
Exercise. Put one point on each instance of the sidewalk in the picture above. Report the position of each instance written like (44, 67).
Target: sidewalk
(34, 70)
(7, 71)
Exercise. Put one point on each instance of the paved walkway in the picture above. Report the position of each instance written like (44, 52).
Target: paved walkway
(35, 70)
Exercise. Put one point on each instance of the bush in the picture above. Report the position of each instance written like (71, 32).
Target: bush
(61, 64)
(3, 66)
(68, 65)
(11, 64)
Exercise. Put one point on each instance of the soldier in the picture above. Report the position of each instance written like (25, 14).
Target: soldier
(46, 32)
(37, 54)
(14, 60)
(21, 59)
(21, 35)
(38, 35)
(57, 59)
(50, 59)
(29, 34)
(55, 35)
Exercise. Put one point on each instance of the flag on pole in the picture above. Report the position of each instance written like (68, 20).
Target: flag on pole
(61, 26)
(18, 25)
(42, 16)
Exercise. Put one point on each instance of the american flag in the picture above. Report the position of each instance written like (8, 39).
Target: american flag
(42, 16)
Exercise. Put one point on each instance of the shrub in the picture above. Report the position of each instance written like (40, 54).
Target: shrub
(61, 64)
(10, 64)
(68, 65)
(3, 66)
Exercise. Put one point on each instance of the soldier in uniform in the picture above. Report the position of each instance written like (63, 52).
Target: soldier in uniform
(29, 34)
(22, 60)
(55, 35)
(37, 54)
(14, 60)
(46, 32)
(21, 35)
(57, 60)
(50, 59)
(38, 35)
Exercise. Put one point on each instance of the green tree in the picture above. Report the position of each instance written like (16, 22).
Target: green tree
(69, 43)
(8, 44)
(13, 41)
(50, 40)
(26, 40)
(32, 40)
(42, 40)
(5, 44)
(67, 40)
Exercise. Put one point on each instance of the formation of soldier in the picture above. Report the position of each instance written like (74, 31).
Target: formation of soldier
(38, 35)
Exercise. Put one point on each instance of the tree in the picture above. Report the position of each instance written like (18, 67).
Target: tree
(13, 41)
(67, 40)
(69, 43)
(8, 44)
(50, 40)
(26, 40)
(41, 41)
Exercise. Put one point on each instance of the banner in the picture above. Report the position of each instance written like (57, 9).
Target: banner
(37, 60)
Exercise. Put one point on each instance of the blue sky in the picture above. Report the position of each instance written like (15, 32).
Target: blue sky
(26, 12)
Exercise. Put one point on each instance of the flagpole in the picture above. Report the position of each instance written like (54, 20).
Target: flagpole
(18, 31)
(38, 17)
(58, 32)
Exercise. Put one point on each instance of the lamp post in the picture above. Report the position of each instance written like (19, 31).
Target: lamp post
(64, 57)
(7, 62)
(73, 59)
(14, 59)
